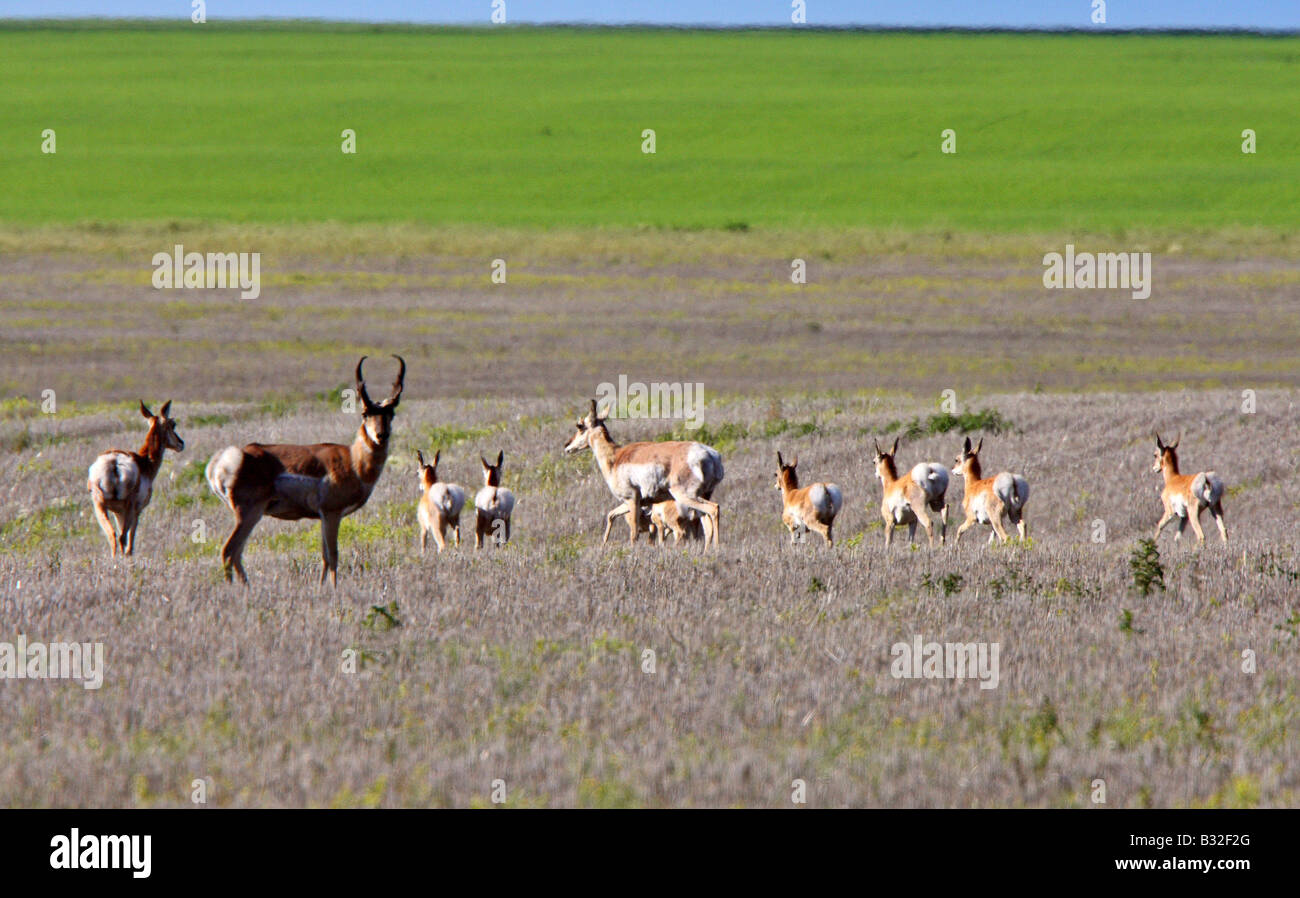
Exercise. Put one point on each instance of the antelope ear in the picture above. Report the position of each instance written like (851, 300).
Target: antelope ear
(419, 456)
(894, 451)
(979, 446)
(966, 446)
(875, 442)
(593, 409)
(501, 457)
(603, 415)
(1177, 440)
(794, 461)
(167, 407)
(780, 463)
(1159, 445)
(144, 410)
(484, 460)
(437, 454)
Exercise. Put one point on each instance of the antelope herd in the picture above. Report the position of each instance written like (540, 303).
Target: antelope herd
(661, 487)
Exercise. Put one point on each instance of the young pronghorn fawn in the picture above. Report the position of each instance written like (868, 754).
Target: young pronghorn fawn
(988, 499)
(812, 507)
(440, 505)
(646, 473)
(121, 482)
(682, 523)
(659, 520)
(1185, 496)
(323, 481)
(493, 503)
(905, 499)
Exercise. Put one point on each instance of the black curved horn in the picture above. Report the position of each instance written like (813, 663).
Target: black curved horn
(399, 383)
(361, 386)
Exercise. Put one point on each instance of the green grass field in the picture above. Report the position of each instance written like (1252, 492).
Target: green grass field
(542, 128)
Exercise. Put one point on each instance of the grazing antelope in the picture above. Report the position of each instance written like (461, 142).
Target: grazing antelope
(987, 500)
(440, 505)
(1185, 493)
(122, 482)
(904, 500)
(647, 473)
(324, 481)
(812, 507)
(492, 503)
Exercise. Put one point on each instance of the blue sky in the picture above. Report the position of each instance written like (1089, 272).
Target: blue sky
(1003, 13)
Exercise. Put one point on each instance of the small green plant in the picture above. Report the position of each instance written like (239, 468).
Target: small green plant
(815, 585)
(1126, 623)
(382, 617)
(1144, 564)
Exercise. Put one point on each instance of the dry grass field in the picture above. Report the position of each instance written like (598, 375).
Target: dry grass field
(771, 662)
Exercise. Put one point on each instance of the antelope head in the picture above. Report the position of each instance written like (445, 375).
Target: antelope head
(585, 426)
(884, 461)
(1165, 453)
(786, 478)
(377, 417)
(969, 460)
(428, 473)
(162, 428)
(491, 472)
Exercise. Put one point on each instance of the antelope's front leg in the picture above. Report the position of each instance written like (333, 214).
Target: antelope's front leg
(633, 515)
(329, 548)
(1160, 525)
(613, 515)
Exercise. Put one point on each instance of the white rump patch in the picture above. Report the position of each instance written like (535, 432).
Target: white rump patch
(115, 476)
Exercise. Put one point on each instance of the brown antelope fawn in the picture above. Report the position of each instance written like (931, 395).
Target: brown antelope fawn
(493, 503)
(1185, 496)
(905, 500)
(121, 482)
(440, 505)
(811, 507)
(647, 473)
(323, 481)
(661, 519)
(988, 500)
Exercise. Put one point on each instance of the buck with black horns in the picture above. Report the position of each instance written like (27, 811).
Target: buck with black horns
(121, 482)
(1185, 496)
(989, 499)
(644, 473)
(324, 481)
(905, 500)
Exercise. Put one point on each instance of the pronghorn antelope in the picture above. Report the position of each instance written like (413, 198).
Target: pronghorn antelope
(659, 520)
(492, 503)
(324, 481)
(986, 500)
(812, 507)
(683, 524)
(1185, 496)
(122, 482)
(440, 505)
(646, 473)
(905, 499)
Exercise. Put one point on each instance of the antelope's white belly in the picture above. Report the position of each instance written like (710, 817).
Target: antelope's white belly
(648, 479)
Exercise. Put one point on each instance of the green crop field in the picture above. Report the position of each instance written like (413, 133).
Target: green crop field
(541, 128)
